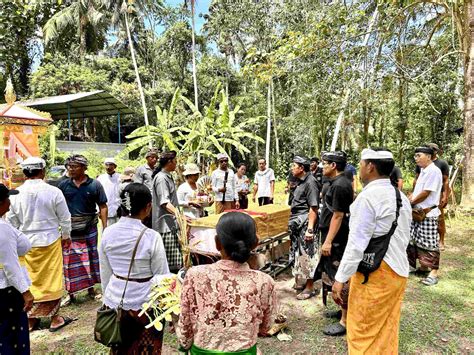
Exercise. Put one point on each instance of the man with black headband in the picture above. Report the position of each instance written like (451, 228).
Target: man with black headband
(83, 196)
(302, 225)
(444, 167)
(379, 234)
(334, 226)
(424, 243)
(165, 203)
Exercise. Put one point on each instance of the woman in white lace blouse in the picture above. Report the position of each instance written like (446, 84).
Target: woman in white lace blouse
(224, 306)
(150, 265)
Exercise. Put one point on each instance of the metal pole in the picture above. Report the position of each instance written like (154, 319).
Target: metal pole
(118, 120)
(69, 121)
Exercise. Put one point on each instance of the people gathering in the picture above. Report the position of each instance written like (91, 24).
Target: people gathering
(121, 230)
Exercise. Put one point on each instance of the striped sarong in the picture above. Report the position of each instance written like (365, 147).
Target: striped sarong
(45, 266)
(81, 262)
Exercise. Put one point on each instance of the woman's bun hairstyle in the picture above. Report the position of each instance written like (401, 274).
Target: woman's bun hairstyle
(134, 197)
(237, 233)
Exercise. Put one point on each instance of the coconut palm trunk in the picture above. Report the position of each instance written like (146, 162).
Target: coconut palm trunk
(193, 50)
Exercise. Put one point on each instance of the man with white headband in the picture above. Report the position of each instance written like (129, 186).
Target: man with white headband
(375, 258)
(110, 181)
(41, 213)
(223, 185)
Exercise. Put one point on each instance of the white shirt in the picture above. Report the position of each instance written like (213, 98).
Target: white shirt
(263, 180)
(111, 185)
(185, 194)
(217, 182)
(115, 254)
(430, 179)
(13, 244)
(40, 211)
(372, 215)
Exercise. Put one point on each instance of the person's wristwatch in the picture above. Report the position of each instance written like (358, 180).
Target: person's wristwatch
(310, 231)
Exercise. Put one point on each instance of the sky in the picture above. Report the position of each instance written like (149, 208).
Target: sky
(202, 7)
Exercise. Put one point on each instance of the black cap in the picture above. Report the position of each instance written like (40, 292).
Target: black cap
(336, 157)
(315, 159)
(424, 149)
(301, 160)
(5, 192)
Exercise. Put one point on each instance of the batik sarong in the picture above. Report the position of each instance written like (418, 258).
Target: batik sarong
(173, 250)
(81, 262)
(304, 254)
(45, 267)
(14, 334)
(198, 351)
(373, 317)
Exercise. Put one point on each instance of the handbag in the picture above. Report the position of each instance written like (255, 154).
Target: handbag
(107, 324)
(419, 214)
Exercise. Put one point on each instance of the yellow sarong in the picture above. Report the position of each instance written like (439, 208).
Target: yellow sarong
(45, 266)
(373, 316)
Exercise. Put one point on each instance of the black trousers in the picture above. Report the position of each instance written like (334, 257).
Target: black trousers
(265, 201)
(14, 334)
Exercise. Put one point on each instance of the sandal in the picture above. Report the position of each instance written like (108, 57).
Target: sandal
(67, 321)
(306, 294)
(335, 329)
(430, 281)
(333, 314)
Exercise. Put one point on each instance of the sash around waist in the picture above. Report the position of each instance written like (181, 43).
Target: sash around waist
(139, 280)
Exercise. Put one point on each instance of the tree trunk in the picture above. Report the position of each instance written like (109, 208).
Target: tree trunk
(467, 200)
(269, 123)
(275, 130)
(135, 66)
(193, 52)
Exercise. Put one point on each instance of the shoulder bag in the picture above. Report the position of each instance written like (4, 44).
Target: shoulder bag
(107, 324)
(419, 214)
(377, 248)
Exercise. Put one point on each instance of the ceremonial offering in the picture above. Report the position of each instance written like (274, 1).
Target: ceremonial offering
(204, 185)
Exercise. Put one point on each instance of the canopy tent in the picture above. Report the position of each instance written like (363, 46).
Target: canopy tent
(19, 130)
(82, 105)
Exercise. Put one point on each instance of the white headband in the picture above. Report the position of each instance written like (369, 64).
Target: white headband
(369, 154)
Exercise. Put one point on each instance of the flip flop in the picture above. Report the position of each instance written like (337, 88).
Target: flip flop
(430, 281)
(333, 314)
(336, 329)
(305, 295)
(67, 321)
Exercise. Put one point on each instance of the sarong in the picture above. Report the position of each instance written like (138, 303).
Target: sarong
(303, 254)
(173, 250)
(424, 243)
(81, 262)
(198, 351)
(428, 259)
(222, 206)
(14, 334)
(373, 317)
(45, 266)
(136, 339)
(328, 265)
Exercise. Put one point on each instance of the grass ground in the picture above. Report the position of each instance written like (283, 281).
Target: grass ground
(435, 320)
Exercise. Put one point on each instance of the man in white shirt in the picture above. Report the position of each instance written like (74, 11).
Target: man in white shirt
(424, 243)
(40, 212)
(264, 184)
(374, 305)
(110, 181)
(223, 185)
(16, 298)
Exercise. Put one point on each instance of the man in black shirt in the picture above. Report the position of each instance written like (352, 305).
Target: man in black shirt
(302, 223)
(444, 167)
(334, 227)
(317, 171)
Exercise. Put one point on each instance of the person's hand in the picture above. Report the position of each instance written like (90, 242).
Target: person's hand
(237, 205)
(66, 243)
(286, 190)
(195, 204)
(28, 299)
(308, 237)
(222, 189)
(326, 248)
(337, 292)
(444, 202)
(253, 198)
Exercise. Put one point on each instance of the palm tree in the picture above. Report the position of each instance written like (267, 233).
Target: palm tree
(78, 15)
(193, 51)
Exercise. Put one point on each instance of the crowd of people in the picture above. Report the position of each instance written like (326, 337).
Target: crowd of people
(359, 247)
